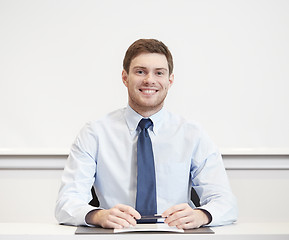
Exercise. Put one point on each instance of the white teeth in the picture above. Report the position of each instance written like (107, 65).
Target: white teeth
(148, 91)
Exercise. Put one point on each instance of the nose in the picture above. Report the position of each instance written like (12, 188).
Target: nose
(149, 79)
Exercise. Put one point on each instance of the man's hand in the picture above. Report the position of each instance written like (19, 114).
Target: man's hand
(184, 217)
(119, 216)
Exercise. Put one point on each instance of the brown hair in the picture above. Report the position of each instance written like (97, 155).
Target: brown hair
(147, 46)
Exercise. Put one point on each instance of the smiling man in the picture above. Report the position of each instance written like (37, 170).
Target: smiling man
(143, 160)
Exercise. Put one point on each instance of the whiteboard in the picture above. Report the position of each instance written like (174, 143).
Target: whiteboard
(61, 63)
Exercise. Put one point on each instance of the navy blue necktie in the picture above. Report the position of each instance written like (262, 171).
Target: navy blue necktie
(146, 203)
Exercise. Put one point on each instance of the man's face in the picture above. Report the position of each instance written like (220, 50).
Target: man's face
(148, 82)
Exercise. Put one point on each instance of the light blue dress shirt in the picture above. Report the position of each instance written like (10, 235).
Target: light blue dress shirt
(104, 154)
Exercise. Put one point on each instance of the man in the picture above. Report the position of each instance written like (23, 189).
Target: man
(105, 155)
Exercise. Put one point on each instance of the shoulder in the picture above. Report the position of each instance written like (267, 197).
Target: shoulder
(196, 136)
(191, 130)
(182, 122)
(113, 116)
(110, 120)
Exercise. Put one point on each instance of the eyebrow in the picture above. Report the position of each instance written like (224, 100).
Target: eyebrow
(141, 67)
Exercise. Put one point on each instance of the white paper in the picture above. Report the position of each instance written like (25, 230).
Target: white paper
(156, 227)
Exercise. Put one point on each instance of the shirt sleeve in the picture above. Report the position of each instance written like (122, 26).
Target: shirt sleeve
(209, 179)
(77, 179)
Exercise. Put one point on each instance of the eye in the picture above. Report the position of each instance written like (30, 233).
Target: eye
(139, 72)
(159, 73)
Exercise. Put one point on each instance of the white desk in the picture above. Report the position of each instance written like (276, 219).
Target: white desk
(239, 231)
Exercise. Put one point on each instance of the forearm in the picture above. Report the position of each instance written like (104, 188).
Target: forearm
(72, 214)
(223, 211)
(211, 183)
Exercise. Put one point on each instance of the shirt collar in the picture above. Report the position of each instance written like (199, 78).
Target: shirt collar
(133, 118)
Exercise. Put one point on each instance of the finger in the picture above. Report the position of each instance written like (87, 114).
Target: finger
(189, 225)
(192, 220)
(109, 224)
(106, 219)
(174, 209)
(128, 210)
(127, 217)
(180, 221)
(118, 222)
(182, 212)
(176, 218)
(124, 212)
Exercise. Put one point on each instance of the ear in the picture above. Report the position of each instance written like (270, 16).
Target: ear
(171, 79)
(124, 76)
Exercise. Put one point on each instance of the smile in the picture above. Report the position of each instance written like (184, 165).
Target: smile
(148, 91)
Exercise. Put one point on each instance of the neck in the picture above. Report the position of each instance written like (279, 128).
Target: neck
(146, 111)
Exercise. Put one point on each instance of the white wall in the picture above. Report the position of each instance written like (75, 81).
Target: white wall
(28, 195)
(61, 65)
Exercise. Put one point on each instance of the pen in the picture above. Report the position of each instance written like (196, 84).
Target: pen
(156, 216)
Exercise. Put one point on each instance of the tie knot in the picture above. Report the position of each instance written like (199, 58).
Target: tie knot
(145, 123)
